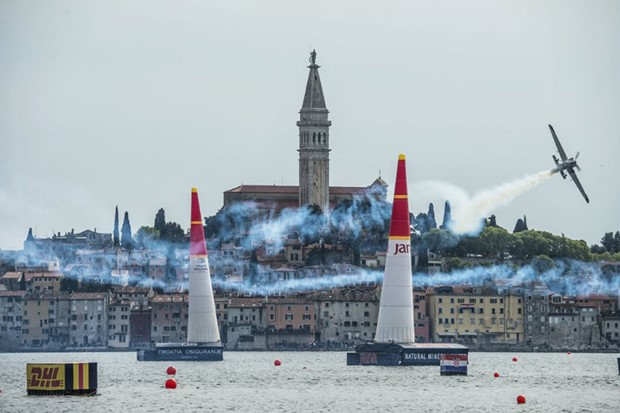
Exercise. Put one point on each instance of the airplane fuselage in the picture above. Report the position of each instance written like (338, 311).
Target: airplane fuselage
(561, 166)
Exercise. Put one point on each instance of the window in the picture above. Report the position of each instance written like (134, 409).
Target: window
(288, 316)
(366, 313)
(439, 310)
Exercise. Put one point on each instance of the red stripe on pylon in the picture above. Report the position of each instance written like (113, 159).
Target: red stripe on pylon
(81, 376)
(197, 245)
(399, 224)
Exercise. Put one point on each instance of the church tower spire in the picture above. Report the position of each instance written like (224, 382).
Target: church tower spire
(314, 143)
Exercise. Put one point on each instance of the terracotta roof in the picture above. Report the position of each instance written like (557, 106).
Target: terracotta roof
(267, 189)
(31, 275)
(246, 302)
(12, 275)
(290, 189)
(170, 298)
(88, 296)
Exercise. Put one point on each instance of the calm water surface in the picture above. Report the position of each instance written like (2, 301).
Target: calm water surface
(321, 382)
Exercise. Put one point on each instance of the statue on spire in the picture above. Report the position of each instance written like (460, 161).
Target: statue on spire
(313, 56)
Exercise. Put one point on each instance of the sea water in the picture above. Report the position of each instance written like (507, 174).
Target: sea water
(322, 382)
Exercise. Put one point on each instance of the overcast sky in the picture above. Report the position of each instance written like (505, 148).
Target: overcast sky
(106, 103)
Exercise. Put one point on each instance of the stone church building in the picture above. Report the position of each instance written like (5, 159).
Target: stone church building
(313, 188)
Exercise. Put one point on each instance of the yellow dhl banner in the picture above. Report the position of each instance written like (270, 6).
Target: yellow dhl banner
(46, 376)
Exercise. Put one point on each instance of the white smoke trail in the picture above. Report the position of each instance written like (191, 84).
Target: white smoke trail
(467, 217)
(468, 213)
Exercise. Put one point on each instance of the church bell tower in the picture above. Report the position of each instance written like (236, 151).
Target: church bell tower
(314, 143)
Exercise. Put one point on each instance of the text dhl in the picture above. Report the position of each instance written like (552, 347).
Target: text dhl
(46, 377)
(401, 249)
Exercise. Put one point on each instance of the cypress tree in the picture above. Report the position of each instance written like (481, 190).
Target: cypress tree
(521, 225)
(432, 222)
(447, 216)
(126, 238)
(116, 238)
(160, 222)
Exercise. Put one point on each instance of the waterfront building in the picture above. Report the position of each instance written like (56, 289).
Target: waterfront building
(291, 321)
(247, 324)
(572, 325)
(11, 315)
(611, 329)
(421, 319)
(36, 314)
(475, 315)
(89, 320)
(536, 312)
(119, 324)
(222, 302)
(347, 316)
(140, 326)
(169, 318)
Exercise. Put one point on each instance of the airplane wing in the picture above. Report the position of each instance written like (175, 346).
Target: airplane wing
(558, 144)
(573, 176)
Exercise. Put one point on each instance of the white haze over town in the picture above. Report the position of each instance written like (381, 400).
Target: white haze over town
(133, 103)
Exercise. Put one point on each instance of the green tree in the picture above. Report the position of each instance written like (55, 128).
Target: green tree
(173, 233)
(495, 241)
(447, 216)
(160, 221)
(126, 238)
(608, 242)
(542, 263)
(146, 237)
(431, 221)
(116, 237)
(521, 225)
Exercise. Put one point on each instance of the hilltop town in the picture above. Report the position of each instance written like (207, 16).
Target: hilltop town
(300, 267)
(80, 291)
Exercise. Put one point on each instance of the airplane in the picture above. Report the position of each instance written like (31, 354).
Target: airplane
(567, 164)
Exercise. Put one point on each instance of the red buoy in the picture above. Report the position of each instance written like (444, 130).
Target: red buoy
(171, 384)
(514, 359)
(568, 352)
(496, 374)
(171, 371)
(277, 363)
(521, 399)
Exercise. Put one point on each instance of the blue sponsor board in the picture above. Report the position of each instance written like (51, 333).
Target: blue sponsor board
(373, 359)
(422, 357)
(391, 354)
(182, 352)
